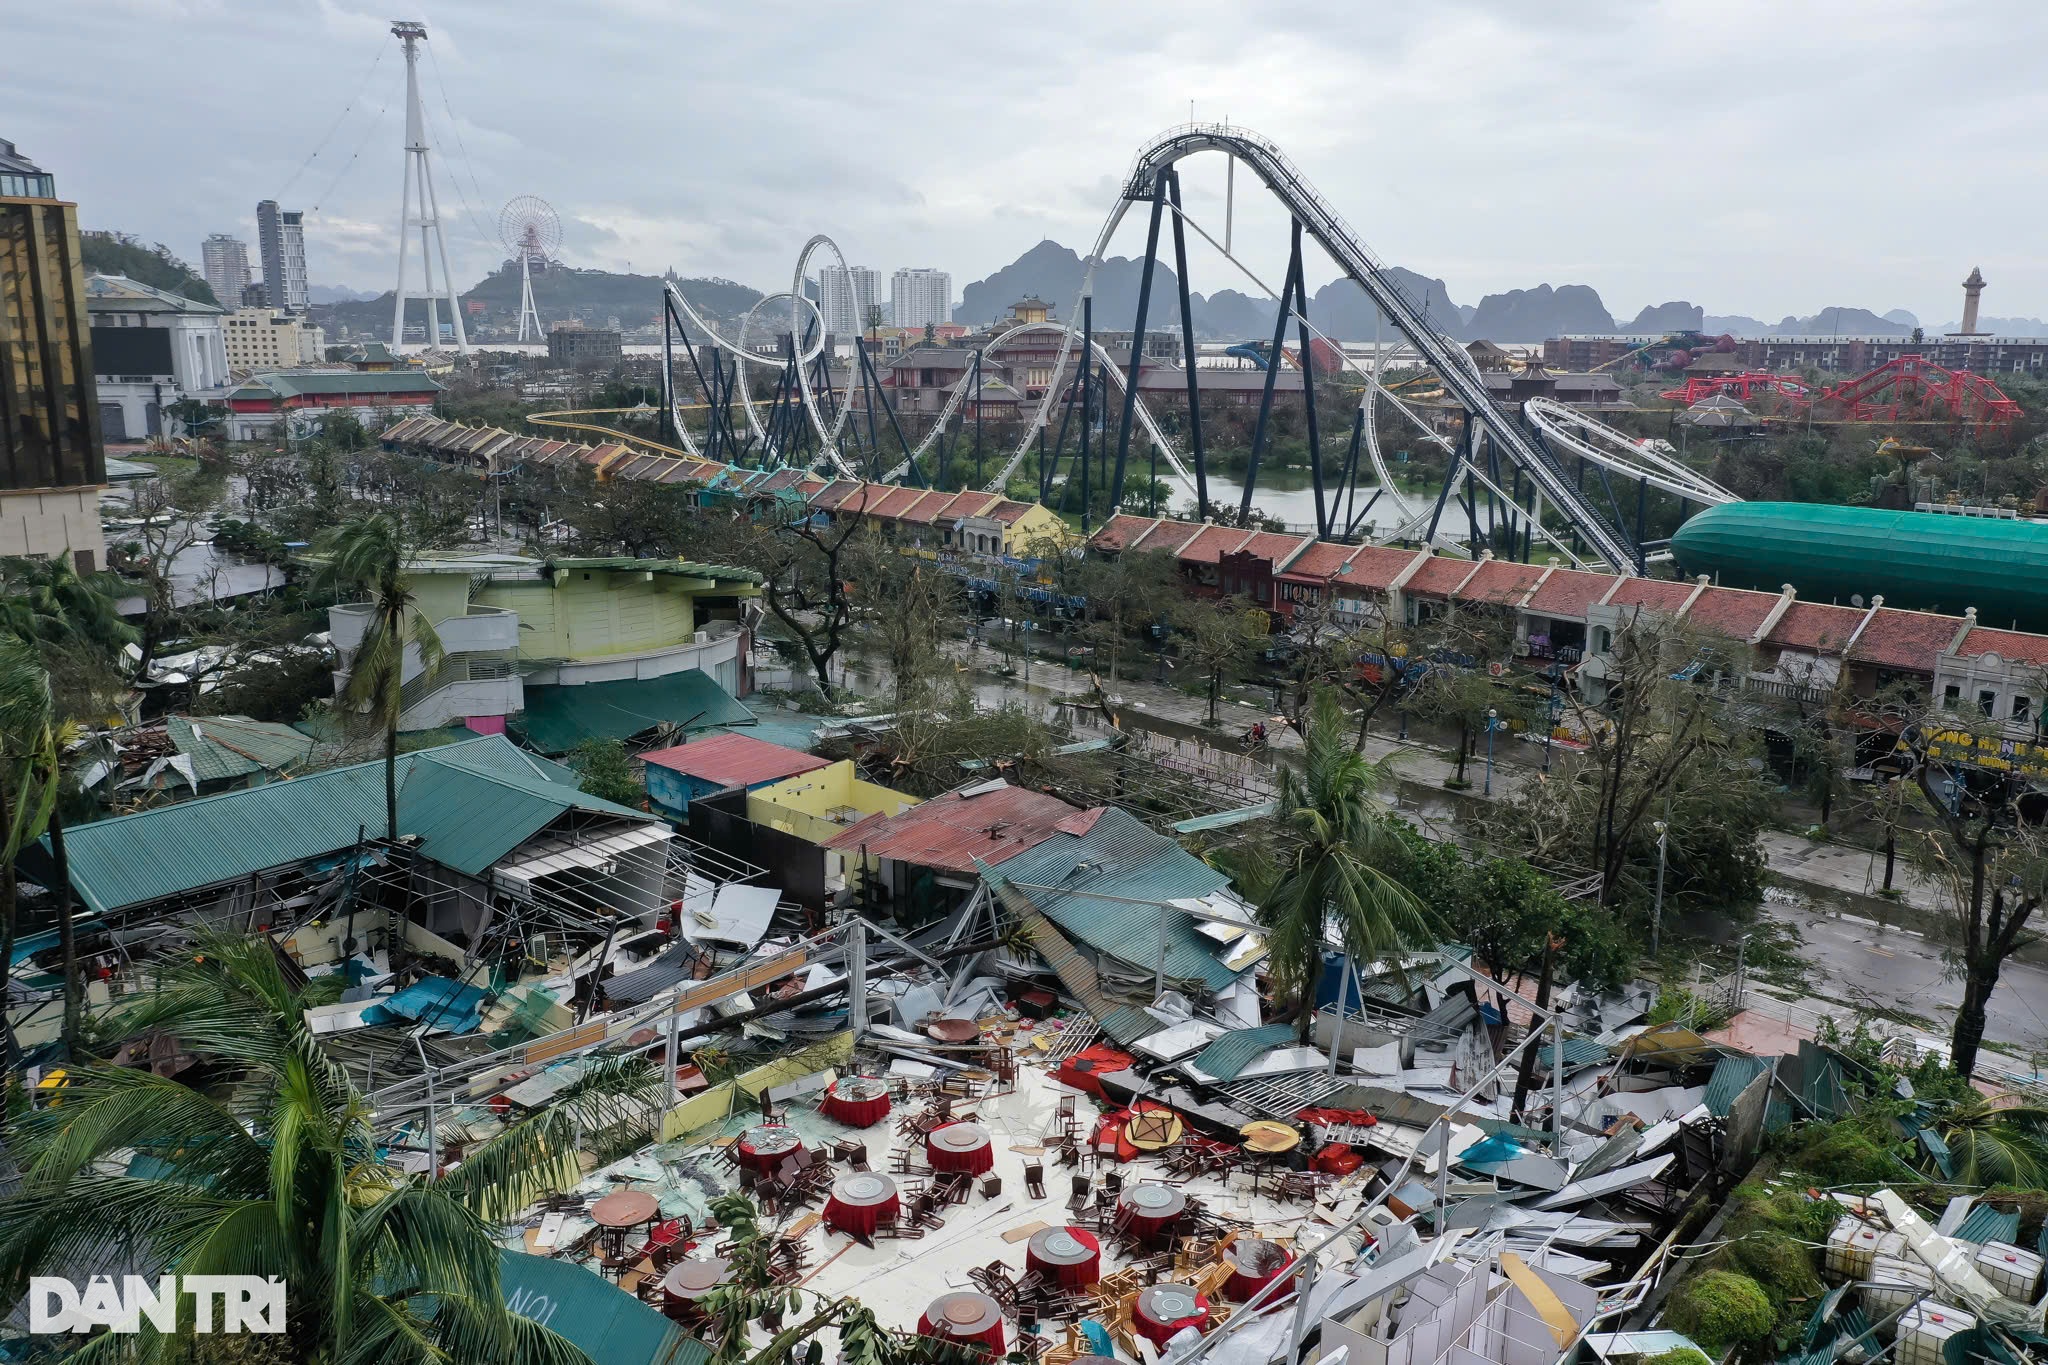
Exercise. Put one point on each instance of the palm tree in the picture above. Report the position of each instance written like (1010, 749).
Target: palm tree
(276, 1169)
(368, 554)
(1327, 866)
(1992, 1145)
(73, 623)
(28, 795)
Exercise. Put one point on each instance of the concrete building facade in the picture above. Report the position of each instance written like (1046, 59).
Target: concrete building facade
(266, 339)
(845, 297)
(572, 345)
(920, 295)
(52, 466)
(150, 349)
(224, 260)
(281, 236)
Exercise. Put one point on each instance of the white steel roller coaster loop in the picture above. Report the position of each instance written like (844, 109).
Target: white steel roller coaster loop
(1586, 436)
(741, 355)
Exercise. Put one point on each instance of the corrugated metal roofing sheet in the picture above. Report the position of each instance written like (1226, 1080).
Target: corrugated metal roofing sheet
(557, 719)
(1112, 884)
(223, 747)
(1577, 1052)
(1732, 1075)
(1986, 1224)
(471, 802)
(957, 830)
(735, 760)
(1234, 1051)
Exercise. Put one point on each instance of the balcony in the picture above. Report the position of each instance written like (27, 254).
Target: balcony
(480, 630)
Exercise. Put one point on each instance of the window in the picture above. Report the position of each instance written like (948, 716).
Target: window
(1987, 702)
(1951, 695)
(2022, 708)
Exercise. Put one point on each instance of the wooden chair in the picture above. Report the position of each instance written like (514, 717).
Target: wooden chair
(991, 1186)
(1034, 1179)
(1078, 1200)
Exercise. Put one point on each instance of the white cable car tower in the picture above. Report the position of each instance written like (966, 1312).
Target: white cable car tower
(531, 230)
(419, 208)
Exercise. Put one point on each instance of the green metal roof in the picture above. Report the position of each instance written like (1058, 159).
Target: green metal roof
(1232, 1052)
(1577, 1052)
(683, 568)
(342, 382)
(598, 1318)
(1732, 1075)
(1986, 1224)
(1923, 560)
(471, 803)
(1113, 882)
(226, 747)
(557, 719)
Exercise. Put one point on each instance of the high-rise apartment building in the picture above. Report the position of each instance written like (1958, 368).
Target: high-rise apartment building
(281, 237)
(845, 297)
(52, 466)
(224, 260)
(920, 297)
(265, 339)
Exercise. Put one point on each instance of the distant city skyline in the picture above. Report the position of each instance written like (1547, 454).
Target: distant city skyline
(1653, 152)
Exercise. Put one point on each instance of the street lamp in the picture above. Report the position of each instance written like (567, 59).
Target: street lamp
(1492, 719)
(1657, 915)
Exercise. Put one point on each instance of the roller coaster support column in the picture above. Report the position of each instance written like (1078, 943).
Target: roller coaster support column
(668, 375)
(874, 383)
(1308, 394)
(1187, 358)
(1457, 463)
(1123, 432)
(1287, 288)
(1087, 395)
(977, 419)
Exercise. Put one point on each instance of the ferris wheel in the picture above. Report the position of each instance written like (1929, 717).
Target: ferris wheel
(532, 231)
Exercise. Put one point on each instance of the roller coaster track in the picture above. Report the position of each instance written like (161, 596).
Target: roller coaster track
(1531, 447)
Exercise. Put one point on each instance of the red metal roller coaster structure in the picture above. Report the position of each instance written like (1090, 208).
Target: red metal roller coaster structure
(1910, 388)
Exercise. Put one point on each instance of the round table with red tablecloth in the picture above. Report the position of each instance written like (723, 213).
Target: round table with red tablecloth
(1070, 1257)
(764, 1146)
(860, 1201)
(966, 1319)
(1165, 1309)
(1254, 1263)
(1152, 1209)
(961, 1146)
(687, 1282)
(856, 1101)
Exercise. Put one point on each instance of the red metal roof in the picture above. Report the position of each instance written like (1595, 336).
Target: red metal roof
(1906, 640)
(1655, 594)
(1500, 582)
(1319, 561)
(734, 760)
(2015, 647)
(1008, 511)
(952, 831)
(1569, 593)
(834, 494)
(1817, 626)
(1734, 612)
(1437, 577)
(1168, 536)
(1375, 567)
(1119, 531)
(1208, 547)
(894, 501)
(1273, 546)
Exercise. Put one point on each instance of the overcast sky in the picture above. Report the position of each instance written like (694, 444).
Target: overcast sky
(1760, 158)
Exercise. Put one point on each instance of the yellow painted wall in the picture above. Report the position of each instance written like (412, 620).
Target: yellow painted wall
(582, 616)
(797, 805)
(1036, 524)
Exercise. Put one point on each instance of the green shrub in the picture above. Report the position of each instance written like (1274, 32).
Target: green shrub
(1722, 1308)
(1679, 1355)
(1781, 1265)
(1844, 1153)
